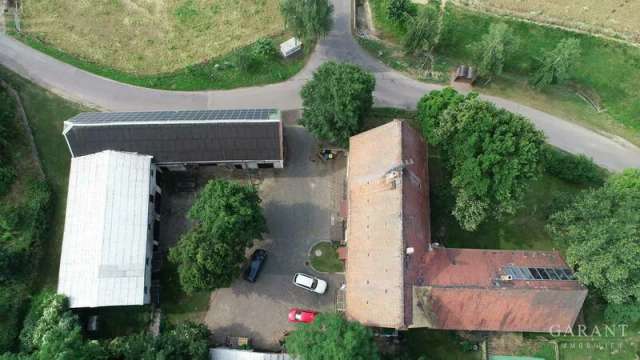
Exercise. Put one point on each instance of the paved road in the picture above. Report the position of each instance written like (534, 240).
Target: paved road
(393, 89)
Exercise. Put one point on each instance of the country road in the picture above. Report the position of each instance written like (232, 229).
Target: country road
(393, 89)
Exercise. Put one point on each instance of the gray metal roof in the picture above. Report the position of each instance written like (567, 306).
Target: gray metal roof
(181, 136)
(100, 118)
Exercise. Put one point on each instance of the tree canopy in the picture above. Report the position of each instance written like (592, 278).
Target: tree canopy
(336, 100)
(185, 341)
(555, 66)
(332, 337)
(399, 11)
(492, 154)
(494, 49)
(307, 19)
(228, 218)
(602, 233)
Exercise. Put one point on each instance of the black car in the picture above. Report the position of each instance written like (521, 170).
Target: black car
(255, 265)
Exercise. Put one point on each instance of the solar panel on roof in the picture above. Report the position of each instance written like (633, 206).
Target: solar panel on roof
(523, 273)
(191, 115)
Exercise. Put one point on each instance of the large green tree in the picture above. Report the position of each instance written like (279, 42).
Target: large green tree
(332, 337)
(492, 154)
(336, 100)
(185, 341)
(494, 49)
(307, 19)
(555, 65)
(602, 233)
(228, 218)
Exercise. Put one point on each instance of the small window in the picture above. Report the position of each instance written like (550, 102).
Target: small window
(265, 166)
(146, 291)
(238, 166)
(151, 198)
(146, 261)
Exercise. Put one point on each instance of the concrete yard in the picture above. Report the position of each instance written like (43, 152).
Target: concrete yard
(301, 204)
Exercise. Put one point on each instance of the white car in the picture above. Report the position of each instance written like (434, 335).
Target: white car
(310, 283)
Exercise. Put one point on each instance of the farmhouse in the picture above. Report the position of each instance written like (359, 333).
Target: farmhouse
(109, 230)
(396, 278)
(240, 138)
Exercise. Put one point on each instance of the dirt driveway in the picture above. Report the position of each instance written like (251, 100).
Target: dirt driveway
(301, 205)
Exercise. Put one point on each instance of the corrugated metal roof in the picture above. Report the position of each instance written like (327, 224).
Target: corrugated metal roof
(233, 354)
(104, 245)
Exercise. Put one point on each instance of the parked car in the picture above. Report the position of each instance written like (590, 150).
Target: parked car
(310, 283)
(304, 316)
(255, 265)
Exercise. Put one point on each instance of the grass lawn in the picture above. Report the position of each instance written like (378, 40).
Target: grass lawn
(328, 260)
(607, 69)
(46, 113)
(176, 305)
(439, 345)
(150, 36)
(222, 72)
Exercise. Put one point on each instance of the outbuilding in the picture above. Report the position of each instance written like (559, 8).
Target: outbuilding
(108, 235)
(243, 139)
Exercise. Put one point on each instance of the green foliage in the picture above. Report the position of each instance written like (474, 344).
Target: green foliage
(227, 217)
(7, 116)
(422, 35)
(431, 107)
(53, 333)
(331, 337)
(336, 101)
(13, 296)
(602, 234)
(492, 154)
(622, 313)
(264, 48)
(494, 50)
(399, 11)
(186, 341)
(307, 19)
(575, 169)
(248, 62)
(556, 65)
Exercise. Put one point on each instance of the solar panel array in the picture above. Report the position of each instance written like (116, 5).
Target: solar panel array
(531, 273)
(190, 115)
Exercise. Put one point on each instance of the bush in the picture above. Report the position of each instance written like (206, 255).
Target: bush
(264, 48)
(574, 169)
(400, 10)
(622, 313)
(7, 177)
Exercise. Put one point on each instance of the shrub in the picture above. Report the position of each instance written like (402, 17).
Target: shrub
(400, 10)
(574, 169)
(247, 61)
(7, 177)
(264, 48)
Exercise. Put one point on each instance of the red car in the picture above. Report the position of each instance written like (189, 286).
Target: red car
(303, 316)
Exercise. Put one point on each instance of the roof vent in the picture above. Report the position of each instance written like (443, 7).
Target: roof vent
(506, 277)
(410, 250)
(392, 176)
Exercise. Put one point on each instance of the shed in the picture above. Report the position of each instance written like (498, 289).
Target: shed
(290, 47)
(465, 73)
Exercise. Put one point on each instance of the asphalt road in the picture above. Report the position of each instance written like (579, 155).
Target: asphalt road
(393, 89)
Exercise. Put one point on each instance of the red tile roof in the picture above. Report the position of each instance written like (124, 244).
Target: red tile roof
(464, 292)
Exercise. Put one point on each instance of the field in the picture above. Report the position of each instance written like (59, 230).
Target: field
(150, 36)
(607, 70)
(619, 18)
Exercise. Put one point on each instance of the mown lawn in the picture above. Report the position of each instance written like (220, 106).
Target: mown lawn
(328, 260)
(223, 72)
(150, 36)
(608, 69)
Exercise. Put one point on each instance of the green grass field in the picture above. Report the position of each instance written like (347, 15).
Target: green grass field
(609, 69)
(328, 260)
